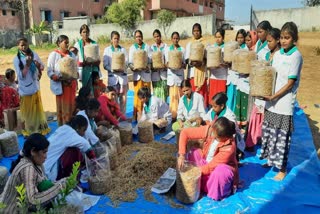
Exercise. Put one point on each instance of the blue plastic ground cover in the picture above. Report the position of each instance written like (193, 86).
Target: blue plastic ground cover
(299, 192)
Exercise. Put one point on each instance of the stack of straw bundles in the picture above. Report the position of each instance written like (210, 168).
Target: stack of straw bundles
(118, 63)
(262, 81)
(140, 59)
(196, 52)
(157, 60)
(175, 59)
(214, 57)
(229, 47)
(91, 53)
(68, 68)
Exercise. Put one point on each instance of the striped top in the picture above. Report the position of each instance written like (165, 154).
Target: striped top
(30, 175)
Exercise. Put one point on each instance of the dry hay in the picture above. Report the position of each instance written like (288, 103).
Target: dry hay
(139, 166)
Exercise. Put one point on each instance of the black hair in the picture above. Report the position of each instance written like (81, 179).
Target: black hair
(186, 83)
(110, 89)
(220, 98)
(224, 127)
(93, 104)
(265, 25)
(144, 92)
(9, 73)
(241, 31)
(28, 51)
(61, 38)
(175, 32)
(292, 29)
(197, 25)
(221, 31)
(115, 33)
(94, 75)
(77, 122)
(84, 27)
(275, 33)
(82, 98)
(36, 142)
(156, 31)
(138, 31)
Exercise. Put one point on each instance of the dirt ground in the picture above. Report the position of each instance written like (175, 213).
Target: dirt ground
(308, 95)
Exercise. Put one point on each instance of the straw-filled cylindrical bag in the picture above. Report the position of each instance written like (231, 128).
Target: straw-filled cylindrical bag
(188, 183)
(145, 130)
(243, 61)
(68, 68)
(258, 63)
(214, 57)
(229, 47)
(196, 52)
(140, 59)
(262, 81)
(157, 60)
(175, 59)
(91, 53)
(118, 62)
(9, 143)
(125, 129)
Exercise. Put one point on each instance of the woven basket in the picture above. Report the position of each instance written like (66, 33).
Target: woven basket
(175, 59)
(229, 47)
(91, 53)
(197, 52)
(118, 63)
(68, 68)
(214, 57)
(140, 59)
(262, 81)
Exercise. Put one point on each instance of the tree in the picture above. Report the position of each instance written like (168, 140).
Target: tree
(165, 19)
(126, 13)
(312, 3)
(37, 31)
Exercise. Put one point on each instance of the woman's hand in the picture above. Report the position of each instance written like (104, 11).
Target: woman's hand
(180, 162)
(180, 124)
(198, 121)
(268, 98)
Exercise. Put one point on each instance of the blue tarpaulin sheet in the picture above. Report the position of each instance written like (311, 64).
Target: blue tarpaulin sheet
(298, 192)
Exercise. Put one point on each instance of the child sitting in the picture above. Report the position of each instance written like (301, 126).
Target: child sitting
(98, 86)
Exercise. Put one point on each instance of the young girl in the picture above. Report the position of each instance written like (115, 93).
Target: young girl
(65, 90)
(217, 158)
(257, 112)
(197, 70)
(218, 76)
(29, 70)
(274, 45)
(154, 109)
(28, 170)
(220, 109)
(62, 153)
(251, 40)
(82, 99)
(98, 86)
(92, 110)
(175, 76)
(140, 77)
(118, 79)
(159, 77)
(278, 121)
(11, 79)
(191, 109)
(233, 76)
(109, 108)
(86, 68)
(241, 39)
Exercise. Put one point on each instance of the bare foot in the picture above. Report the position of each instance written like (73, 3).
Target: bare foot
(280, 176)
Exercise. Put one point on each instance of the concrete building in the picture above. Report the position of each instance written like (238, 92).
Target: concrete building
(184, 8)
(9, 18)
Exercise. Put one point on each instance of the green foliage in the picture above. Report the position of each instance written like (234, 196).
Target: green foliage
(103, 39)
(71, 183)
(2, 205)
(312, 3)
(165, 19)
(126, 13)
(40, 29)
(22, 199)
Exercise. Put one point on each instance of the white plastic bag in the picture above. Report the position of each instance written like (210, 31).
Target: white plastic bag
(80, 199)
